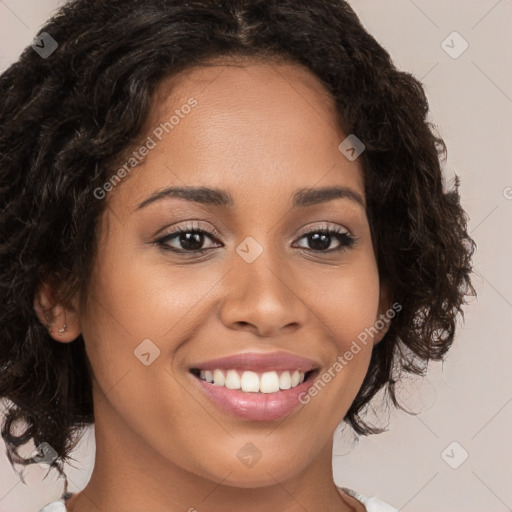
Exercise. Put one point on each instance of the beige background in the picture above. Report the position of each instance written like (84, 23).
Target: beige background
(468, 398)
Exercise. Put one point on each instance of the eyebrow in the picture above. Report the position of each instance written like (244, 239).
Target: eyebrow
(216, 197)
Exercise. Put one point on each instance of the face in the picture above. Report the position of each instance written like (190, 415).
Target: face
(279, 279)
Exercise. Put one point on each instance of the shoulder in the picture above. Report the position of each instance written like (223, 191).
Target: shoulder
(372, 504)
(56, 506)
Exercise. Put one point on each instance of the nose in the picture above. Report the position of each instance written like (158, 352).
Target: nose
(263, 297)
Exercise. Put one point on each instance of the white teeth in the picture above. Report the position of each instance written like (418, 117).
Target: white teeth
(251, 382)
(232, 380)
(269, 382)
(218, 378)
(285, 381)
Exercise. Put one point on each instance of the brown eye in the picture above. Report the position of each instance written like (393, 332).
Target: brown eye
(320, 240)
(186, 239)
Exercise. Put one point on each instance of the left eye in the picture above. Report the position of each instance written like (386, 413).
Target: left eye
(322, 238)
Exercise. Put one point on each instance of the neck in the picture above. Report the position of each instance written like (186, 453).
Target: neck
(129, 475)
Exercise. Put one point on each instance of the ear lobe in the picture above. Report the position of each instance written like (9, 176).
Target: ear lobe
(61, 321)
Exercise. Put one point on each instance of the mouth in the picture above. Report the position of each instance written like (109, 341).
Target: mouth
(255, 386)
(248, 381)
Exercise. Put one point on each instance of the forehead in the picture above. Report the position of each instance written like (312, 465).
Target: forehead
(241, 77)
(260, 125)
(251, 89)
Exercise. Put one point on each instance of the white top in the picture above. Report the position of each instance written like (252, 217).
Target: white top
(373, 504)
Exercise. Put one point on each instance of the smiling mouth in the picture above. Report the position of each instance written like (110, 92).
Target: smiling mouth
(248, 381)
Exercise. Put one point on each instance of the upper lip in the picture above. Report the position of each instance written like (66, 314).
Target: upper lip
(259, 362)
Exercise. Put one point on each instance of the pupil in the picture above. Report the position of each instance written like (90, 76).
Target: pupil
(191, 241)
(321, 240)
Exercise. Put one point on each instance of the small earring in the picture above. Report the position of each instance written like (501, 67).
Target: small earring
(63, 330)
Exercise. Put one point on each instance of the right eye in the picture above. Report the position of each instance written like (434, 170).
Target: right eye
(191, 238)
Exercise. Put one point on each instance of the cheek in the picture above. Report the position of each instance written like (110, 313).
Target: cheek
(168, 306)
(135, 310)
(141, 298)
(135, 299)
(348, 307)
(348, 299)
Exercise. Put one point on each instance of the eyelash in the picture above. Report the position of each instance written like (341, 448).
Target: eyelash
(345, 239)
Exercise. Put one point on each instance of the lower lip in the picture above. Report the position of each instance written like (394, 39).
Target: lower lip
(255, 406)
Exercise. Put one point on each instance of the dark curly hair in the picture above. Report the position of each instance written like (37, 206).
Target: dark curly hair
(67, 118)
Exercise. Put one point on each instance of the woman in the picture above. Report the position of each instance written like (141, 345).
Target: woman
(223, 231)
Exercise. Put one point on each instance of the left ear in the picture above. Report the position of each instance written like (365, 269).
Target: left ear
(61, 321)
(383, 320)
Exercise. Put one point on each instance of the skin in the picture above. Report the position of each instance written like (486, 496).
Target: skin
(260, 130)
